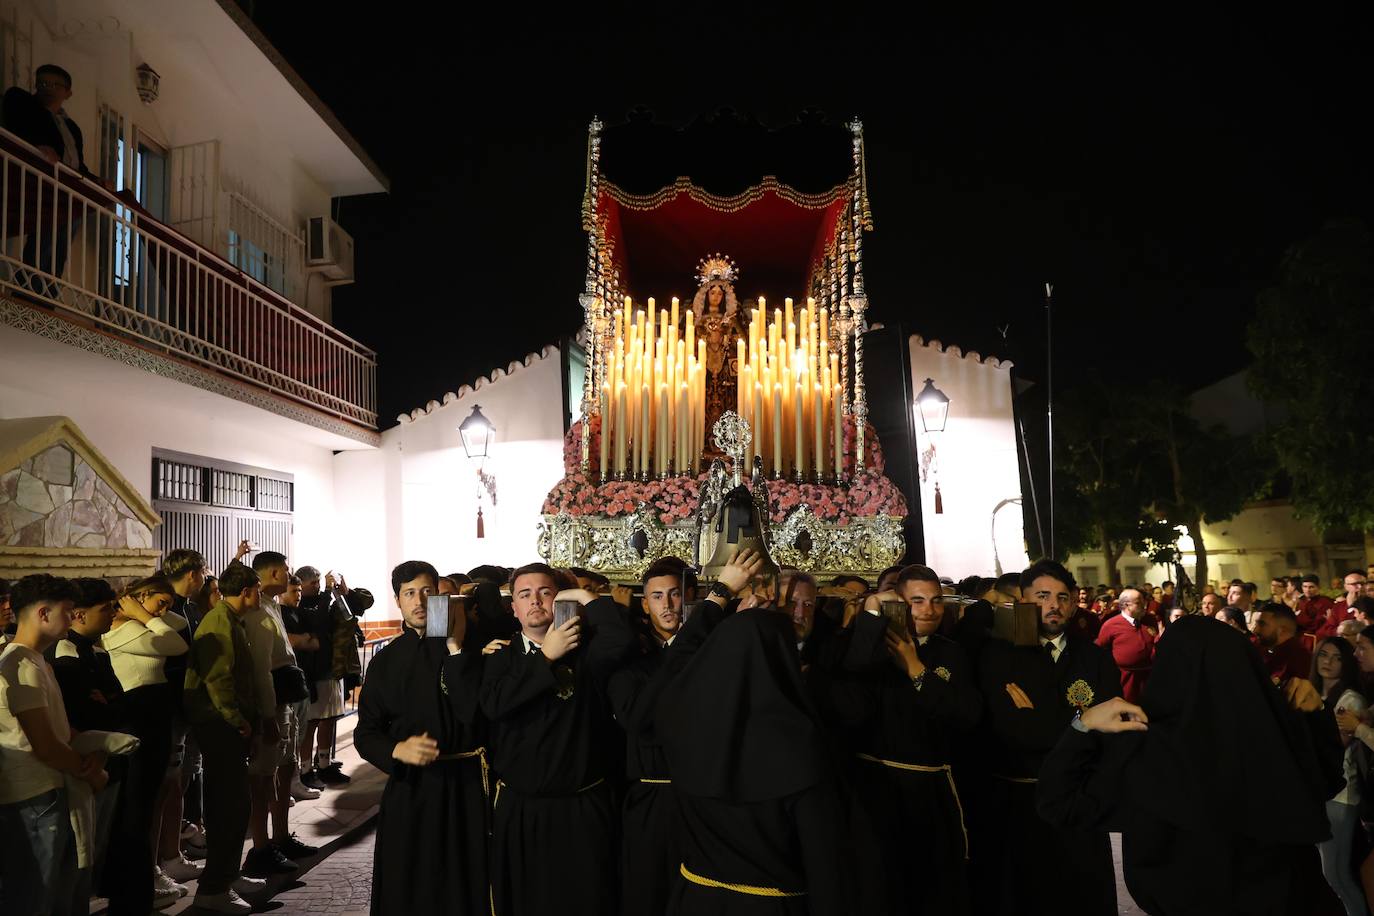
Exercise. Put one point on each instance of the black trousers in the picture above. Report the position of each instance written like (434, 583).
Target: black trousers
(224, 757)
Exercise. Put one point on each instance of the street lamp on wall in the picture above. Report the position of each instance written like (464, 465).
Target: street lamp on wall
(932, 406)
(477, 433)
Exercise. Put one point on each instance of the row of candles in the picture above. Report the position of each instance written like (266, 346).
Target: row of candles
(789, 390)
(653, 403)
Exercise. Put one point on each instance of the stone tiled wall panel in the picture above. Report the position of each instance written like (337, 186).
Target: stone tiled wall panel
(55, 499)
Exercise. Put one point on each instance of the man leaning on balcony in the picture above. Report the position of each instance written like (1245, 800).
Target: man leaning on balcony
(39, 118)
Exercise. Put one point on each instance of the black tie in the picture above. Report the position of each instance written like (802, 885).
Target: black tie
(1049, 650)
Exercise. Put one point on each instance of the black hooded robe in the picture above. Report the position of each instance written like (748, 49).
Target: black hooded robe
(1243, 790)
(762, 817)
(554, 823)
(432, 828)
(1084, 874)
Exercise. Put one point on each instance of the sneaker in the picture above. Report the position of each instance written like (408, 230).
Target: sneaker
(262, 861)
(181, 869)
(227, 902)
(164, 886)
(294, 849)
(300, 791)
(245, 886)
(311, 780)
(333, 776)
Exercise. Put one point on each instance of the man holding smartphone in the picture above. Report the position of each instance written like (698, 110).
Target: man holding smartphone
(905, 695)
(418, 722)
(545, 696)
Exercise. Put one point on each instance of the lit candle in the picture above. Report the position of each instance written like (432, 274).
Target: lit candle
(777, 429)
(825, 324)
(662, 439)
(643, 443)
(605, 430)
(690, 334)
(839, 431)
(759, 420)
(620, 429)
(799, 455)
(818, 424)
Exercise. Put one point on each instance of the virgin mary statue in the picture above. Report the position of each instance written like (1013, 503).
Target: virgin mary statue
(716, 313)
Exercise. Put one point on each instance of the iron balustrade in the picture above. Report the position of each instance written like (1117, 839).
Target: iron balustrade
(129, 274)
(369, 649)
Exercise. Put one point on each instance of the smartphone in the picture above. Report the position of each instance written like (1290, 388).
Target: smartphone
(563, 611)
(437, 616)
(896, 613)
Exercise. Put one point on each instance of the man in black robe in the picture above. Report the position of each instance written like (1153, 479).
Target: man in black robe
(545, 695)
(649, 856)
(418, 722)
(1031, 696)
(762, 818)
(905, 695)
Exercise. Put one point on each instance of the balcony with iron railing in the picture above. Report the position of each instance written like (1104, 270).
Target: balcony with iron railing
(132, 277)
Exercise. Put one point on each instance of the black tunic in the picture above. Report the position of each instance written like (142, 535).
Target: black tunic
(553, 818)
(904, 739)
(650, 852)
(432, 829)
(1019, 739)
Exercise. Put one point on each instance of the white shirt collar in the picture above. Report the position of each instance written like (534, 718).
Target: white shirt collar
(529, 642)
(922, 640)
(1059, 642)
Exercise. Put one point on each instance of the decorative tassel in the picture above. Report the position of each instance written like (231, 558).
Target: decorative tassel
(939, 503)
(482, 531)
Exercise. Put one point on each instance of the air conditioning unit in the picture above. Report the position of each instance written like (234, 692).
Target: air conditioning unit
(329, 250)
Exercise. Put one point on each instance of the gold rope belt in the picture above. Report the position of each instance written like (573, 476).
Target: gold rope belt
(749, 889)
(481, 755)
(656, 782)
(918, 768)
(587, 788)
(1023, 780)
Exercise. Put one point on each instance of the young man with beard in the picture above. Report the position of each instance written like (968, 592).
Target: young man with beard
(418, 722)
(649, 818)
(1031, 694)
(905, 695)
(545, 696)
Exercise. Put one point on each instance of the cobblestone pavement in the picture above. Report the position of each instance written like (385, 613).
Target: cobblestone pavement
(340, 885)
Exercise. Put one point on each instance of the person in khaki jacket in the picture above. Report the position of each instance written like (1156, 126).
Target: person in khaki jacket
(226, 713)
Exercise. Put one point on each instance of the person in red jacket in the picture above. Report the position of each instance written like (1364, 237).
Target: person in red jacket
(1276, 631)
(1130, 637)
(1313, 608)
(1343, 610)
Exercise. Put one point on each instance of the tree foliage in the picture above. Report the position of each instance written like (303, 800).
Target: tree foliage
(1310, 338)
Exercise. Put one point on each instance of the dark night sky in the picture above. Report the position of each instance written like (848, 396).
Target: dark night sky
(1155, 171)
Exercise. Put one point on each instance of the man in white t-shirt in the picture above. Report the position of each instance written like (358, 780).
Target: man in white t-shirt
(38, 863)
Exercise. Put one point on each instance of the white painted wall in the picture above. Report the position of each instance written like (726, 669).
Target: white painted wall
(127, 412)
(976, 463)
(416, 498)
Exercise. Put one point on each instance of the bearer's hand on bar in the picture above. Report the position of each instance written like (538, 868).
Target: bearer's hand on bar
(580, 595)
(874, 603)
(418, 750)
(562, 640)
(740, 571)
(622, 595)
(495, 646)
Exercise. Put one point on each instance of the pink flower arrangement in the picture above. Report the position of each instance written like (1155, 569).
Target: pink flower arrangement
(866, 494)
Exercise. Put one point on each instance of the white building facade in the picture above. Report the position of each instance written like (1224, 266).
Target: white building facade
(188, 334)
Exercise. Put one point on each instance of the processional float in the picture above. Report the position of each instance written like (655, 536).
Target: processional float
(672, 390)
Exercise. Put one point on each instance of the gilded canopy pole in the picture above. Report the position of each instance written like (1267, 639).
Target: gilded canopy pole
(858, 301)
(589, 299)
